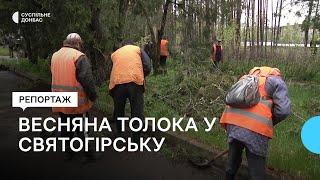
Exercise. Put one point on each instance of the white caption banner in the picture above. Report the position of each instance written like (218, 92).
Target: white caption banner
(44, 99)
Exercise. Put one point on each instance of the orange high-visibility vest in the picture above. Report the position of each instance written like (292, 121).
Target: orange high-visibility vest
(164, 47)
(64, 79)
(127, 66)
(259, 117)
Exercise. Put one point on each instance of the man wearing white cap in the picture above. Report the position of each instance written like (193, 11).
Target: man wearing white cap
(71, 72)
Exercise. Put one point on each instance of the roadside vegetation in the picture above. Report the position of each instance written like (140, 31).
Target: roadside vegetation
(41, 69)
(193, 88)
(4, 51)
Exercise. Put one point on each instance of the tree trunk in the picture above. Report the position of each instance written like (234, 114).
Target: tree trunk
(258, 29)
(156, 35)
(279, 18)
(247, 26)
(123, 8)
(266, 27)
(32, 52)
(96, 56)
(314, 28)
(275, 25)
(306, 30)
(252, 28)
(238, 28)
(271, 38)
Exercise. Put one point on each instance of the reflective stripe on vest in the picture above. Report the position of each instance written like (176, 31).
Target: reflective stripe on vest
(59, 88)
(257, 117)
(66, 88)
(266, 103)
(64, 79)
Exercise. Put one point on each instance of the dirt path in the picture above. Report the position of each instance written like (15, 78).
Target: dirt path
(110, 164)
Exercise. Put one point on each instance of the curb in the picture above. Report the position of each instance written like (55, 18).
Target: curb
(191, 145)
(194, 147)
(27, 75)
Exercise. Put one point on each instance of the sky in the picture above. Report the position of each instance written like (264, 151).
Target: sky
(289, 16)
(288, 13)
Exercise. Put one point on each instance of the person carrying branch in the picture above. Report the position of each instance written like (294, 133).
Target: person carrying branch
(131, 65)
(250, 125)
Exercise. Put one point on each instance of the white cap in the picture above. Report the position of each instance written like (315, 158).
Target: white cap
(74, 36)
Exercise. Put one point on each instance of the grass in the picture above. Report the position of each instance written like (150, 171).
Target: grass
(286, 150)
(41, 69)
(4, 51)
(192, 88)
(197, 91)
(301, 71)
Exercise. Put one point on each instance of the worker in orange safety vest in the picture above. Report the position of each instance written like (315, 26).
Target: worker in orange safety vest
(251, 128)
(164, 51)
(71, 72)
(131, 65)
(217, 52)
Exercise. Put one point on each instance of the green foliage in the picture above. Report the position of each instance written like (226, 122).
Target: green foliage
(289, 34)
(228, 35)
(41, 69)
(66, 17)
(104, 100)
(4, 51)
(286, 149)
(143, 41)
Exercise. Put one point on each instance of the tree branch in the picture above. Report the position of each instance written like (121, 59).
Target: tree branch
(164, 19)
(145, 13)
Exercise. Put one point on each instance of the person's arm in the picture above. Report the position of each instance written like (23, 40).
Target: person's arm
(278, 91)
(221, 54)
(85, 77)
(146, 63)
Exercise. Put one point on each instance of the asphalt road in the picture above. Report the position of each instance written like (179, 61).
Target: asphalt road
(15, 164)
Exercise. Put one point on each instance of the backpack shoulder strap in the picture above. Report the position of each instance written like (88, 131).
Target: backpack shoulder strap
(264, 71)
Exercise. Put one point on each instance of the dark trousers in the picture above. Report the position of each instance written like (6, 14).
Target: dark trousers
(134, 93)
(70, 134)
(216, 63)
(163, 61)
(256, 163)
